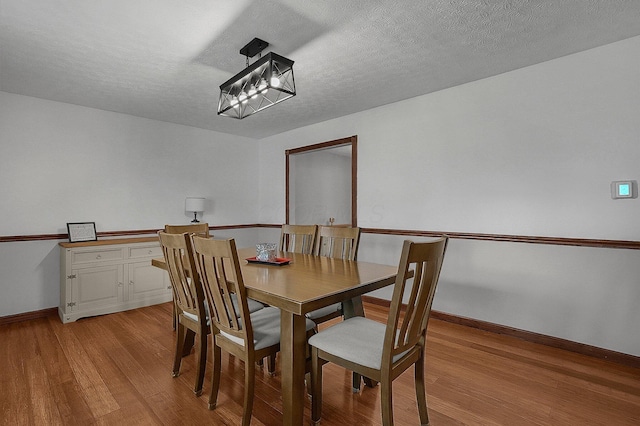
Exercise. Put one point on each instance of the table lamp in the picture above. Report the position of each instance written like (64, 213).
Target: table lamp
(195, 205)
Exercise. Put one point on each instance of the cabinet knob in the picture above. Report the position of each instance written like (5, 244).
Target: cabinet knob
(150, 251)
(131, 282)
(98, 257)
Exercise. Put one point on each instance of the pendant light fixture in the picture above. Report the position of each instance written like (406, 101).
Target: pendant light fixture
(266, 82)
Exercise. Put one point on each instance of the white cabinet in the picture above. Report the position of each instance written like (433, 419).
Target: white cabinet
(101, 277)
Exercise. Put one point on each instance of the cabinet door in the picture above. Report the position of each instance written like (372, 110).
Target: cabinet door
(146, 281)
(96, 287)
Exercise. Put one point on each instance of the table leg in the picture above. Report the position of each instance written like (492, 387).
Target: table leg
(353, 308)
(293, 341)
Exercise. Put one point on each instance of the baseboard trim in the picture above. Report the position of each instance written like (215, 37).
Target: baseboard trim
(25, 316)
(554, 342)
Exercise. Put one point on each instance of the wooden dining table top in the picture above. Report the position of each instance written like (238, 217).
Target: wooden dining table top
(307, 282)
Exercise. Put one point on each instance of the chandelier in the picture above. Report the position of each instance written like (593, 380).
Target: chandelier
(266, 82)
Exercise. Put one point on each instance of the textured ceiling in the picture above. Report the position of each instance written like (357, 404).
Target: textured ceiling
(164, 59)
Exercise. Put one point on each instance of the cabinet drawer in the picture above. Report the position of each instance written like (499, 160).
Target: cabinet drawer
(93, 256)
(149, 251)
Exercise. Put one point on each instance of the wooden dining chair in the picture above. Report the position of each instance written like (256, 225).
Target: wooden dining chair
(189, 303)
(298, 238)
(338, 243)
(383, 352)
(201, 229)
(245, 335)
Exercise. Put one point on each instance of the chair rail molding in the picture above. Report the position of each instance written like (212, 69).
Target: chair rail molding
(558, 241)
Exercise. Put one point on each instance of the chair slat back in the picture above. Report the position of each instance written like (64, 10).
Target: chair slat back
(405, 331)
(338, 242)
(187, 291)
(219, 268)
(298, 238)
(200, 229)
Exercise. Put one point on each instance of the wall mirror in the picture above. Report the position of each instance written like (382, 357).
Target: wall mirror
(321, 183)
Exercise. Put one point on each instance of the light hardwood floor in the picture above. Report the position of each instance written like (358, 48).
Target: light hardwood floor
(116, 369)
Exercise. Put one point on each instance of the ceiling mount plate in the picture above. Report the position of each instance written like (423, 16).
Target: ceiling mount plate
(254, 47)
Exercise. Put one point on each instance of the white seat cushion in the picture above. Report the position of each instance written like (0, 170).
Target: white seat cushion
(356, 339)
(319, 313)
(266, 328)
(253, 305)
(195, 317)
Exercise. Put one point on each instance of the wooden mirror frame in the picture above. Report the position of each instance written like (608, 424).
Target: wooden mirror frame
(353, 141)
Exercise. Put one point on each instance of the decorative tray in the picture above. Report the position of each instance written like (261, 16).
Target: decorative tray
(279, 261)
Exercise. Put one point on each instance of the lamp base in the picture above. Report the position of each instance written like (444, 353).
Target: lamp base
(195, 218)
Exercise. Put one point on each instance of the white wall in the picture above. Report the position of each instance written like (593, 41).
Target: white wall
(62, 163)
(530, 152)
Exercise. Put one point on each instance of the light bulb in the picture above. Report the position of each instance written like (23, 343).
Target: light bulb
(252, 92)
(262, 86)
(243, 97)
(275, 82)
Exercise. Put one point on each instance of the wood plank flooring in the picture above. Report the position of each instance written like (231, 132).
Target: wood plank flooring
(116, 369)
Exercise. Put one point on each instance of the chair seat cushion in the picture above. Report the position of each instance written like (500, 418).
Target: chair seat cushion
(358, 339)
(327, 310)
(194, 317)
(253, 305)
(266, 328)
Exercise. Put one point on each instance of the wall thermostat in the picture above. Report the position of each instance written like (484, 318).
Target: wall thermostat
(624, 189)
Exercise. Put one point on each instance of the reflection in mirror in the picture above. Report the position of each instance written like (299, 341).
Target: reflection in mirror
(321, 183)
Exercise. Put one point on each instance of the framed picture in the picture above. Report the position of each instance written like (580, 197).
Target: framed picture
(82, 231)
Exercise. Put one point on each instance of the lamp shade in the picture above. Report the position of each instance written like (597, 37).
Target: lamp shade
(194, 204)
(264, 83)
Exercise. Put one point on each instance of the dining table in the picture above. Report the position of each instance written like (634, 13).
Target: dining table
(301, 283)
